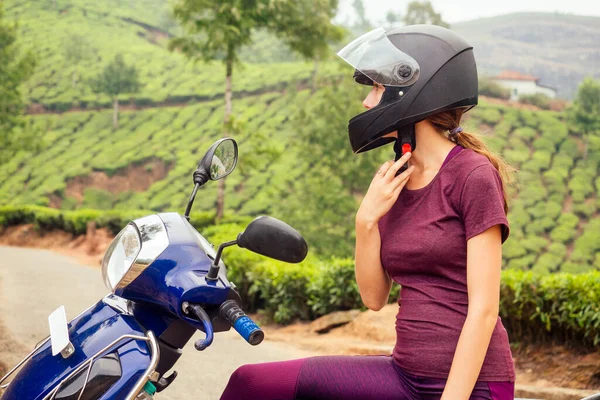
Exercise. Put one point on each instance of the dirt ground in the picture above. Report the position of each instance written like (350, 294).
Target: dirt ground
(10, 350)
(87, 249)
(368, 332)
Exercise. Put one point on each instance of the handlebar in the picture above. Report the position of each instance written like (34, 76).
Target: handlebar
(232, 312)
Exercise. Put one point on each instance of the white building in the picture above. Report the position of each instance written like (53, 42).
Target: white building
(520, 84)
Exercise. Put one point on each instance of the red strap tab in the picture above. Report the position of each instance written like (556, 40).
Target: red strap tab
(406, 147)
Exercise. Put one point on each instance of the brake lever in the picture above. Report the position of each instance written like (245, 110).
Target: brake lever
(198, 312)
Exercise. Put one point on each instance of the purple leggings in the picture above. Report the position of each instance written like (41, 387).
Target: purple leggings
(344, 378)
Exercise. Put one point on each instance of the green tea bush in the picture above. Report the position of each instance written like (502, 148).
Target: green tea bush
(490, 116)
(585, 210)
(558, 249)
(544, 144)
(538, 99)
(503, 128)
(581, 186)
(523, 263)
(575, 267)
(554, 130)
(517, 157)
(490, 88)
(518, 217)
(97, 199)
(549, 209)
(334, 287)
(495, 143)
(534, 244)
(528, 118)
(525, 133)
(532, 193)
(547, 263)
(554, 180)
(75, 221)
(565, 229)
(569, 148)
(282, 289)
(560, 307)
(588, 243)
(513, 248)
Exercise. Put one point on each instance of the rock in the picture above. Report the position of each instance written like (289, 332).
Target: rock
(333, 320)
(378, 326)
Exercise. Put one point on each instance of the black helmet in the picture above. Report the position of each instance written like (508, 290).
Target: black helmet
(425, 69)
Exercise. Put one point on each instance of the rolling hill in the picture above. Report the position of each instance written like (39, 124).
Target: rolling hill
(561, 49)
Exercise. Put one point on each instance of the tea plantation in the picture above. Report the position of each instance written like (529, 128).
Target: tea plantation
(554, 217)
(555, 224)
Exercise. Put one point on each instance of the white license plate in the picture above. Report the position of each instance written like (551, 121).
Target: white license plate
(59, 333)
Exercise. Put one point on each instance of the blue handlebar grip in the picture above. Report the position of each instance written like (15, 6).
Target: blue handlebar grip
(249, 330)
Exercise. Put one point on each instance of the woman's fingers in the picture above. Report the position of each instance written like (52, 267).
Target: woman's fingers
(391, 172)
(403, 177)
(384, 168)
(402, 182)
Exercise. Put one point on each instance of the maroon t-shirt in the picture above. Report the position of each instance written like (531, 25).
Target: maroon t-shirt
(424, 249)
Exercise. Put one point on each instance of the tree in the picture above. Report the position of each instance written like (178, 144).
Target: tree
(391, 18)
(77, 49)
(115, 79)
(422, 12)
(16, 67)
(585, 111)
(363, 24)
(218, 29)
(322, 204)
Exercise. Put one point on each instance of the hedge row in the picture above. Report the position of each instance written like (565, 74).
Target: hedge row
(534, 308)
(75, 222)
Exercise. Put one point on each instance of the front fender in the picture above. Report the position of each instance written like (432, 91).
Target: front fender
(91, 332)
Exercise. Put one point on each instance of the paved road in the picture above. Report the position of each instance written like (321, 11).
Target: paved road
(35, 282)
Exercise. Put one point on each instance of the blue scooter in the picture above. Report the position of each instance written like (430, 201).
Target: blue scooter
(167, 282)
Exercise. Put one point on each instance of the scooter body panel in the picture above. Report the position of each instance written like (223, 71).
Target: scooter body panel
(89, 333)
(178, 273)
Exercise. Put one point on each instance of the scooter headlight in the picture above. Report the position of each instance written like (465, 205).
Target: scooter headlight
(120, 255)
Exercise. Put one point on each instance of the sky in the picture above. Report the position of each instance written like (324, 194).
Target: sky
(463, 10)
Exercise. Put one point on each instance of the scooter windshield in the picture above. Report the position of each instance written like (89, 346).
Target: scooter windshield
(375, 55)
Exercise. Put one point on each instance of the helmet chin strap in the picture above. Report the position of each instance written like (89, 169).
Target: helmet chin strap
(405, 143)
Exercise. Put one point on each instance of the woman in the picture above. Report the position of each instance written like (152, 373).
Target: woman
(435, 227)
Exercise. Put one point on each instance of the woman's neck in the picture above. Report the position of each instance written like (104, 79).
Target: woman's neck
(432, 148)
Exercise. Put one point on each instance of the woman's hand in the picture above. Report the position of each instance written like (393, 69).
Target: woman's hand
(383, 191)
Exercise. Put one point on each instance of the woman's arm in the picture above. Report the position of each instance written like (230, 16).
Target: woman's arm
(374, 284)
(484, 263)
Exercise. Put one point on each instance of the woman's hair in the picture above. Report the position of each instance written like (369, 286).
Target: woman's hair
(448, 120)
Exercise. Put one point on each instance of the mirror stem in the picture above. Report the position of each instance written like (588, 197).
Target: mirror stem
(191, 202)
(213, 273)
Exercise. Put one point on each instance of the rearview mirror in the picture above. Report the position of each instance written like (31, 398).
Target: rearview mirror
(220, 159)
(273, 238)
(269, 237)
(217, 163)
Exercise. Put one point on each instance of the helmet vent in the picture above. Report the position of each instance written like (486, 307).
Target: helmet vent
(405, 73)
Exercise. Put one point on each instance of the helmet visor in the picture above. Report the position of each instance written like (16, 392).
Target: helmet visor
(375, 55)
